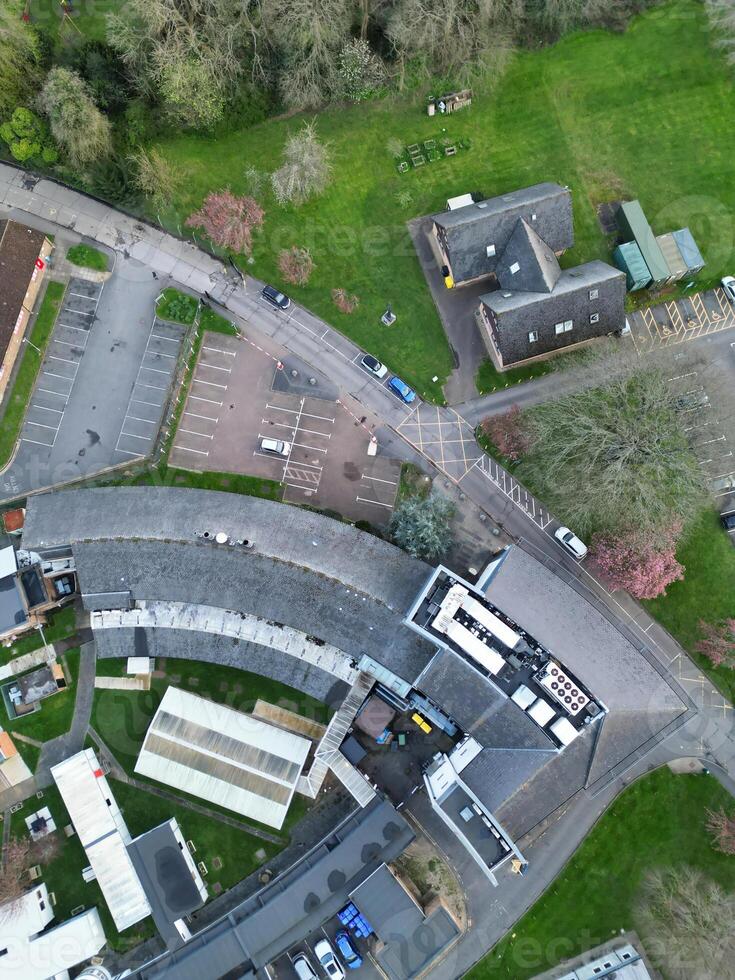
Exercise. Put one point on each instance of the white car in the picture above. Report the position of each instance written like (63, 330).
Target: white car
(728, 284)
(570, 542)
(373, 365)
(328, 961)
(276, 446)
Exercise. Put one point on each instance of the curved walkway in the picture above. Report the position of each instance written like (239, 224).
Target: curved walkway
(225, 622)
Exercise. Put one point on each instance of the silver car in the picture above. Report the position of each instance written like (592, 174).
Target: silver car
(728, 284)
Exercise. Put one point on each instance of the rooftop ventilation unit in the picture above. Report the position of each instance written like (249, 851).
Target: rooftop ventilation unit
(563, 688)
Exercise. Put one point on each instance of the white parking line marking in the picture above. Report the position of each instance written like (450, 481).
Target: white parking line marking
(48, 391)
(63, 377)
(203, 364)
(171, 340)
(393, 483)
(292, 411)
(308, 466)
(80, 295)
(48, 445)
(315, 449)
(191, 432)
(144, 385)
(66, 360)
(207, 417)
(132, 435)
(218, 350)
(43, 408)
(68, 326)
(140, 401)
(126, 451)
(144, 367)
(212, 384)
(210, 400)
(378, 503)
(137, 418)
(69, 309)
(188, 450)
(66, 343)
(298, 486)
(41, 425)
(159, 353)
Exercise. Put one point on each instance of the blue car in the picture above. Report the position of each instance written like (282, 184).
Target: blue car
(349, 954)
(401, 389)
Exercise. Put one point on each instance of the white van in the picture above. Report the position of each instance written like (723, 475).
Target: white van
(276, 446)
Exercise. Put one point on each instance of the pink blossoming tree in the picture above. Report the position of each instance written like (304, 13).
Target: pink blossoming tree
(228, 220)
(718, 642)
(644, 564)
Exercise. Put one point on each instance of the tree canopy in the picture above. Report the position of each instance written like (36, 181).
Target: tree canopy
(421, 525)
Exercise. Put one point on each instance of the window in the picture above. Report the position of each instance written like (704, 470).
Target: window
(594, 317)
(532, 336)
(490, 251)
(533, 217)
(515, 268)
(594, 293)
(42, 905)
(564, 326)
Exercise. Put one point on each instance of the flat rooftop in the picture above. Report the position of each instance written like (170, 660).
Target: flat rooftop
(476, 832)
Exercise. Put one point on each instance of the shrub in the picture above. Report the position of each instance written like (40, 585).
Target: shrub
(228, 220)
(306, 168)
(28, 137)
(360, 71)
(296, 265)
(344, 302)
(508, 433)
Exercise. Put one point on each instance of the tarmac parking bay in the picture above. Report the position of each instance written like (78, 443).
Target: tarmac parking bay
(239, 395)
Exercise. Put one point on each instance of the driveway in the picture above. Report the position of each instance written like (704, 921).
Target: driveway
(456, 309)
(85, 404)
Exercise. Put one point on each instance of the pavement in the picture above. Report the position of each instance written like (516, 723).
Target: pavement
(430, 432)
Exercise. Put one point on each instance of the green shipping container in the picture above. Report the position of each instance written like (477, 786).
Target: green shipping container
(629, 260)
(634, 225)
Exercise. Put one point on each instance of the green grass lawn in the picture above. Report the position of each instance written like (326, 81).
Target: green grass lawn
(87, 257)
(488, 378)
(121, 718)
(56, 712)
(658, 822)
(20, 393)
(29, 753)
(212, 838)
(63, 874)
(177, 306)
(209, 320)
(707, 592)
(61, 625)
(169, 476)
(600, 112)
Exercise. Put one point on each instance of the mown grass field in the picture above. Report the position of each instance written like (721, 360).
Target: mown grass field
(640, 114)
(657, 822)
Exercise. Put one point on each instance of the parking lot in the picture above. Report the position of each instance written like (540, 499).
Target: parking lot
(240, 395)
(681, 321)
(61, 363)
(83, 416)
(148, 398)
(283, 967)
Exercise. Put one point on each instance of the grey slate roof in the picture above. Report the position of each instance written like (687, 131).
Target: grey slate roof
(537, 266)
(291, 534)
(226, 650)
(293, 905)
(495, 775)
(381, 899)
(12, 610)
(640, 700)
(585, 276)
(469, 230)
(269, 588)
(478, 706)
(166, 879)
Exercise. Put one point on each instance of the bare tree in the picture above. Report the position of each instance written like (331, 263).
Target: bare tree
(307, 36)
(157, 177)
(13, 868)
(296, 265)
(624, 442)
(305, 170)
(76, 123)
(722, 828)
(687, 924)
(344, 301)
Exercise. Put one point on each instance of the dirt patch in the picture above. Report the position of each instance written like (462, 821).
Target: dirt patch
(427, 874)
(606, 216)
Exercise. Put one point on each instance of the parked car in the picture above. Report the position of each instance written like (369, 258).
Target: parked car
(401, 389)
(728, 284)
(303, 968)
(728, 521)
(329, 962)
(570, 542)
(374, 366)
(276, 446)
(275, 297)
(346, 947)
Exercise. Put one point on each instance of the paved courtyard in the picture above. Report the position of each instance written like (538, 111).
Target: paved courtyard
(240, 394)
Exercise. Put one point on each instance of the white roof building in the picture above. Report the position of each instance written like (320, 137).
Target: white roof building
(103, 834)
(28, 953)
(223, 756)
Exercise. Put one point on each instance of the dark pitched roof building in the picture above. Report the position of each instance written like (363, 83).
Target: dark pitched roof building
(472, 239)
(21, 249)
(581, 303)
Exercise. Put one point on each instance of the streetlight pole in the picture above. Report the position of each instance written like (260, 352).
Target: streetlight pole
(39, 627)
(30, 342)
